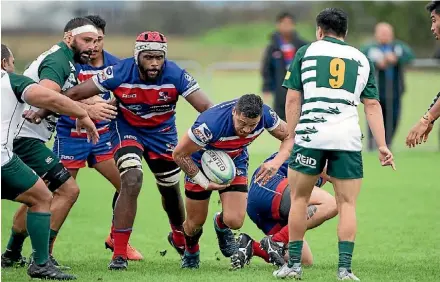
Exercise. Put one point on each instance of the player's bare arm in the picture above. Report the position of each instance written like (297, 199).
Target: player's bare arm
(293, 110)
(373, 113)
(182, 156)
(199, 100)
(40, 96)
(269, 169)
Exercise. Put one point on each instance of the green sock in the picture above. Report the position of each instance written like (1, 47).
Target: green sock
(295, 250)
(16, 241)
(38, 226)
(52, 237)
(345, 254)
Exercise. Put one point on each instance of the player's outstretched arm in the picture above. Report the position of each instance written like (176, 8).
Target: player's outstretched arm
(83, 90)
(373, 113)
(42, 97)
(199, 100)
(182, 156)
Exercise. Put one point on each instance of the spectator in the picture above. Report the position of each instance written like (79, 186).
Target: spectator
(389, 56)
(284, 43)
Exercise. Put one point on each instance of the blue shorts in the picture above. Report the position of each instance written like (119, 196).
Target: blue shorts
(263, 204)
(154, 143)
(75, 152)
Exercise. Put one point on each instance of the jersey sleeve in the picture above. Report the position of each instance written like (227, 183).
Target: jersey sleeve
(370, 90)
(56, 70)
(109, 78)
(270, 118)
(292, 80)
(19, 85)
(187, 84)
(203, 131)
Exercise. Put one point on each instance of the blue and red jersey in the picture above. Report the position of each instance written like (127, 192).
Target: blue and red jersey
(214, 130)
(66, 126)
(146, 104)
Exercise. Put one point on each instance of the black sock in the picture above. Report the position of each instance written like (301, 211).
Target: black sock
(172, 203)
(192, 242)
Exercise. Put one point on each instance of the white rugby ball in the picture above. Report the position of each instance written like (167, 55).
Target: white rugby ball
(218, 166)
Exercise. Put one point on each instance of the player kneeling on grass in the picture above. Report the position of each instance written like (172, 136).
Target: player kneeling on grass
(230, 127)
(19, 182)
(268, 207)
(326, 82)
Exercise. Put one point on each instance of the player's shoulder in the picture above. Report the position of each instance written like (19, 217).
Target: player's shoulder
(217, 114)
(110, 59)
(172, 70)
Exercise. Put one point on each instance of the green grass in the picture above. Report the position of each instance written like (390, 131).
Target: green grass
(398, 230)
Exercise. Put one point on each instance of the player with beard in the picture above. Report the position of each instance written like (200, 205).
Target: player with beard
(53, 69)
(147, 88)
(73, 149)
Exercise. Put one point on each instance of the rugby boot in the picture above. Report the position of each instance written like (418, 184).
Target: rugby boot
(10, 259)
(346, 274)
(289, 272)
(48, 271)
(226, 240)
(190, 261)
(274, 251)
(132, 253)
(180, 249)
(118, 263)
(245, 252)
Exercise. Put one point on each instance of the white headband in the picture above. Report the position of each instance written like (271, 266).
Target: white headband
(149, 46)
(83, 29)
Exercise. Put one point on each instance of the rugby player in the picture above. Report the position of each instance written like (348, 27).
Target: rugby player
(326, 82)
(268, 207)
(53, 69)
(230, 126)
(73, 149)
(19, 182)
(421, 130)
(146, 87)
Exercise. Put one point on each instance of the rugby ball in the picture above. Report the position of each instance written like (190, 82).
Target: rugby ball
(218, 166)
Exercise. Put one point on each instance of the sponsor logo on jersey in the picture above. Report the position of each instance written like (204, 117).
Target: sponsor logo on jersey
(170, 147)
(273, 114)
(188, 77)
(134, 107)
(64, 157)
(49, 159)
(127, 96)
(305, 161)
(203, 133)
(163, 96)
(130, 137)
(106, 73)
(239, 172)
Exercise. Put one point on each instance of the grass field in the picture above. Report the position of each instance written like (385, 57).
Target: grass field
(398, 212)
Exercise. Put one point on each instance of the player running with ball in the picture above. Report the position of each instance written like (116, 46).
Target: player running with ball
(146, 87)
(326, 82)
(229, 127)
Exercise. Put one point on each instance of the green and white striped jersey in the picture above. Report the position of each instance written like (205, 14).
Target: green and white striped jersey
(333, 78)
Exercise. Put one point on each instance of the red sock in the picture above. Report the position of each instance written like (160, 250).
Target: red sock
(121, 238)
(178, 237)
(193, 249)
(259, 252)
(282, 235)
(219, 221)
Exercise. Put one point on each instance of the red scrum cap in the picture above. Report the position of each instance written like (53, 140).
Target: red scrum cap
(150, 41)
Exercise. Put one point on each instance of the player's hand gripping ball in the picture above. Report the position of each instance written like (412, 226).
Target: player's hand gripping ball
(218, 167)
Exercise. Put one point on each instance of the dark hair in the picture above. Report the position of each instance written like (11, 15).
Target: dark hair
(77, 22)
(434, 6)
(5, 52)
(97, 21)
(333, 21)
(281, 16)
(250, 105)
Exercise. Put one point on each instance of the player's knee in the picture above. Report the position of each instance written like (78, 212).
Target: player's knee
(332, 209)
(191, 227)
(131, 182)
(69, 191)
(40, 197)
(235, 222)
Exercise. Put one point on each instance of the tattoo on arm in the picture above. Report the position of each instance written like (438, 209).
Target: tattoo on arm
(311, 210)
(187, 165)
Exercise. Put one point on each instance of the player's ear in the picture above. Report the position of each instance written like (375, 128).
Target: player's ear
(319, 33)
(4, 62)
(68, 37)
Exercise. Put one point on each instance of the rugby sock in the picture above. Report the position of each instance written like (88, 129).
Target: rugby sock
(295, 250)
(259, 252)
(282, 235)
(38, 226)
(219, 222)
(178, 237)
(52, 238)
(16, 241)
(120, 239)
(192, 242)
(115, 198)
(345, 254)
